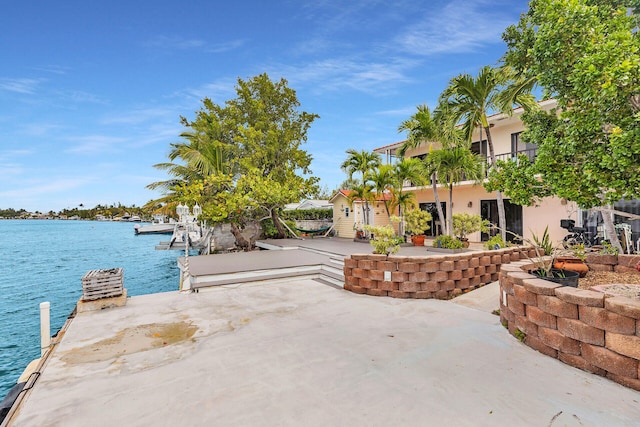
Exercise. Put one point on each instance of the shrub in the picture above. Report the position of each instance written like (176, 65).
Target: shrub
(465, 223)
(270, 231)
(495, 240)
(384, 239)
(447, 242)
(418, 221)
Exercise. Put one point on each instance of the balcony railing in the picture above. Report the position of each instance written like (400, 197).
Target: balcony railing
(531, 154)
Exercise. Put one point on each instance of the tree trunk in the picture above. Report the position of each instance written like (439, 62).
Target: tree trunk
(450, 211)
(436, 197)
(502, 220)
(241, 242)
(276, 222)
(609, 227)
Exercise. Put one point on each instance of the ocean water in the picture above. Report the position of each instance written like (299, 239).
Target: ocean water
(44, 260)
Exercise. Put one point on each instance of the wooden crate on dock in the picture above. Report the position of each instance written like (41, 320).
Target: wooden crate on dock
(98, 284)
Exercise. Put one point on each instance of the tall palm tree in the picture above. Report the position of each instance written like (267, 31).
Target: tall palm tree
(453, 166)
(382, 179)
(362, 192)
(363, 162)
(471, 99)
(427, 127)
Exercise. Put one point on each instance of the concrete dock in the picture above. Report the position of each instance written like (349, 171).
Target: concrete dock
(301, 353)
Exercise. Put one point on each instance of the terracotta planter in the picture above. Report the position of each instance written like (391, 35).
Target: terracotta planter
(465, 242)
(571, 264)
(418, 240)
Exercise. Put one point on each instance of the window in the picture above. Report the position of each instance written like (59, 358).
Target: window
(478, 148)
(518, 146)
(346, 212)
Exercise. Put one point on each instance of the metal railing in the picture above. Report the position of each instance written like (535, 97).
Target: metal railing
(531, 154)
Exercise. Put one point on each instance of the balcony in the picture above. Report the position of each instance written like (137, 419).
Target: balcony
(531, 154)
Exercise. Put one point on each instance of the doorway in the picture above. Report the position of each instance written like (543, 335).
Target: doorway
(435, 225)
(513, 216)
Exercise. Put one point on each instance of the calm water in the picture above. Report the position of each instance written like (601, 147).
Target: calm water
(45, 261)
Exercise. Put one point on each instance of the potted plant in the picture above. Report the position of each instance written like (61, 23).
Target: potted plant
(545, 259)
(417, 223)
(465, 223)
(447, 242)
(574, 261)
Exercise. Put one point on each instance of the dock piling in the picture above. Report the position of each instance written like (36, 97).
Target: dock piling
(45, 327)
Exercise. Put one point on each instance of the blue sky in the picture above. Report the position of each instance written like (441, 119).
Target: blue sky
(91, 92)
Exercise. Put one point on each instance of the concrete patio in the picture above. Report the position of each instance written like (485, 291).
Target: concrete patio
(299, 352)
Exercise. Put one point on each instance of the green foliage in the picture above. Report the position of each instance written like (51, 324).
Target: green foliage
(384, 239)
(517, 179)
(447, 242)
(521, 336)
(608, 249)
(418, 221)
(495, 240)
(308, 214)
(465, 223)
(579, 252)
(586, 54)
(543, 242)
(243, 160)
(270, 231)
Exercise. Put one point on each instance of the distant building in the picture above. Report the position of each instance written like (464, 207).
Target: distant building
(308, 204)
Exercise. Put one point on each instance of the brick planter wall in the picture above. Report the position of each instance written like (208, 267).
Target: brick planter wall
(618, 263)
(582, 328)
(436, 276)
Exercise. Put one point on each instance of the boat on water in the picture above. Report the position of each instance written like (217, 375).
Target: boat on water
(158, 226)
(191, 234)
(165, 228)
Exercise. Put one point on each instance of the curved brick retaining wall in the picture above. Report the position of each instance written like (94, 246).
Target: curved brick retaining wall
(582, 328)
(434, 276)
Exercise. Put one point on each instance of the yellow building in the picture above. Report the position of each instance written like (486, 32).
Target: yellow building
(350, 216)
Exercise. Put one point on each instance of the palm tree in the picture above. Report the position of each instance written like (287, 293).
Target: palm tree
(454, 165)
(471, 99)
(363, 192)
(363, 162)
(360, 161)
(382, 179)
(424, 127)
(200, 156)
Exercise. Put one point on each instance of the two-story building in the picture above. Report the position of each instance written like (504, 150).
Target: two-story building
(472, 198)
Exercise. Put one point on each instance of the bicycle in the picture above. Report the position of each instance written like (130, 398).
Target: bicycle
(578, 235)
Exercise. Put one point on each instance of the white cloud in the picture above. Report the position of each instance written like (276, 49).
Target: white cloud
(174, 42)
(96, 144)
(45, 187)
(225, 47)
(461, 26)
(335, 74)
(26, 86)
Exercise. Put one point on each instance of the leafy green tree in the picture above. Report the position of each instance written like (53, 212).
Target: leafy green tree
(243, 159)
(585, 54)
(472, 99)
